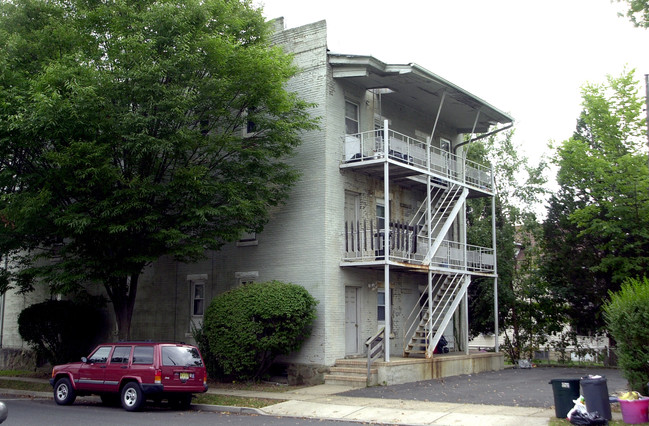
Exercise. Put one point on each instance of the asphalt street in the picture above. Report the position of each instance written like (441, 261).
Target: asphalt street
(510, 387)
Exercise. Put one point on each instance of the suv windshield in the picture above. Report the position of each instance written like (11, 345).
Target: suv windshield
(181, 355)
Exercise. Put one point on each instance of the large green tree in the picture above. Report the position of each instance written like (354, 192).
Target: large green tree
(524, 310)
(132, 129)
(637, 12)
(599, 217)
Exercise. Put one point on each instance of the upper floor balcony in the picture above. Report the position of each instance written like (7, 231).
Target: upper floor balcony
(365, 244)
(413, 159)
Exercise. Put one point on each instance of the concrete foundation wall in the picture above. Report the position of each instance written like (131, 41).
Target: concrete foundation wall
(406, 370)
(466, 364)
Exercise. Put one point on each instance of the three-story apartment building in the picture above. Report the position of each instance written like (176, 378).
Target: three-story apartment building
(375, 229)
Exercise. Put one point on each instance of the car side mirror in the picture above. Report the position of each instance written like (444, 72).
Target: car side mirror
(84, 359)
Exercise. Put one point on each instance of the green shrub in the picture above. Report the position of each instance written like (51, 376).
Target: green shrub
(214, 371)
(627, 316)
(248, 327)
(61, 331)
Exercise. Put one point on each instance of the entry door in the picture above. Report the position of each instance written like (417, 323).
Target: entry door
(351, 321)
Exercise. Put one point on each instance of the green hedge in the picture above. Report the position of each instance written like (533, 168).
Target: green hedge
(246, 328)
(61, 331)
(627, 319)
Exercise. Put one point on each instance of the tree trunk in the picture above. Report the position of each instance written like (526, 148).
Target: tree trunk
(122, 292)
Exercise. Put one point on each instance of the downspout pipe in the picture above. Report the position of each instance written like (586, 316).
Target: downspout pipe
(486, 135)
(2, 305)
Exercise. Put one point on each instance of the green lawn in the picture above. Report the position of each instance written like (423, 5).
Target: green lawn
(29, 386)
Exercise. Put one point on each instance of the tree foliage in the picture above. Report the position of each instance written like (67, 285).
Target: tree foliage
(246, 328)
(637, 12)
(627, 314)
(124, 136)
(524, 308)
(599, 217)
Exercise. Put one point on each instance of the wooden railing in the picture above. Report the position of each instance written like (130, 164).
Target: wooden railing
(375, 349)
(365, 239)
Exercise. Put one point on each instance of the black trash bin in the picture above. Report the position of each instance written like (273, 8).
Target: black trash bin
(595, 391)
(565, 392)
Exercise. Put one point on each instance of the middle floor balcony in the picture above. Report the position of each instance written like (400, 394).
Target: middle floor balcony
(364, 245)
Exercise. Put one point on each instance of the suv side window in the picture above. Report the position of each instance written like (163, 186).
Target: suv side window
(100, 356)
(143, 355)
(121, 354)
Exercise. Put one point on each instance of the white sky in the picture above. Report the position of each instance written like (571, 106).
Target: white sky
(526, 58)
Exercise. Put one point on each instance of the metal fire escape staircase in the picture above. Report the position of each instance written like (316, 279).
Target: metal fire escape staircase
(430, 317)
(427, 324)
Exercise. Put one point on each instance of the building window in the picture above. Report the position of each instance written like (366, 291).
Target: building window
(380, 214)
(250, 126)
(351, 118)
(198, 298)
(380, 309)
(380, 305)
(248, 239)
(244, 278)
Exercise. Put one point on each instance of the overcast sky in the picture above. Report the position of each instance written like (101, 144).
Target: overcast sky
(526, 58)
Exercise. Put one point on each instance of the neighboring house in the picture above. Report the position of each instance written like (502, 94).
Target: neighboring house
(375, 228)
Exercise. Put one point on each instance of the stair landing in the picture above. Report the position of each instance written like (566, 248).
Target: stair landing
(353, 372)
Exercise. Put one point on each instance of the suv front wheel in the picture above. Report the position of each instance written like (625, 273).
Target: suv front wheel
(132, 398)
(64, 394)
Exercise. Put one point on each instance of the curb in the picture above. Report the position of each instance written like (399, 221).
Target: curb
(228, 409)
(194, 407)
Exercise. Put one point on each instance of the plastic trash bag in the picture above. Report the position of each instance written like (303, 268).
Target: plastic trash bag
(579, 408)
(580, 418)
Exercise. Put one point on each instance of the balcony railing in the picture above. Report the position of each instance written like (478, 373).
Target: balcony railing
(364, 241)
(368, 146)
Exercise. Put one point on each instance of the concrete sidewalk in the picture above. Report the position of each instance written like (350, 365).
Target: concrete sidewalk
(320, 402)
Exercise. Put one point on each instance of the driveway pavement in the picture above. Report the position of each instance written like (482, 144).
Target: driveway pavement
(510, 387)
(511, 397)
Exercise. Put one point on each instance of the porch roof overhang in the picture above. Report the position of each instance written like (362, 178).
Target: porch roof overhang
(418, 88)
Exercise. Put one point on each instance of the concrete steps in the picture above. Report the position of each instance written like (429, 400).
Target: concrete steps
(351, 372)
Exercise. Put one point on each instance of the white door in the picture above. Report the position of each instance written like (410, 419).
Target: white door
(351, 321)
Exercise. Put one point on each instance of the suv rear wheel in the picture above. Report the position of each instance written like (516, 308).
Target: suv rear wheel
(64, 394)
(132, 398)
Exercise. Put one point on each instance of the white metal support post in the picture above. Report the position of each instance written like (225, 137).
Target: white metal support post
(429, 203)
(386, 240)
(493, 242)
(465, 304)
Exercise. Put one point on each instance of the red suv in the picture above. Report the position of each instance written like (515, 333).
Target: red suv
(131, 372)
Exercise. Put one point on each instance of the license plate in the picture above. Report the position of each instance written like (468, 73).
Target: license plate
(184, 376)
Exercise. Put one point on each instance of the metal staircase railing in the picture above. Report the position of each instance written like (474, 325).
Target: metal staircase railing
(414, 334)
(445, 218)
(446, 307)
(426, 326)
